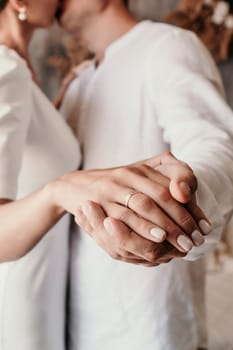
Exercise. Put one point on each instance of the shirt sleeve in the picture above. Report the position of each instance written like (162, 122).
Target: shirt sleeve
(187, 94)
(15, 114)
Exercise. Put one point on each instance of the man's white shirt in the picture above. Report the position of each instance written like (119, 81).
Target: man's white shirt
(156, 89)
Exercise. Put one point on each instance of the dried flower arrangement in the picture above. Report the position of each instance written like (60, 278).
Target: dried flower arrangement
(71, 54)
(211, 20)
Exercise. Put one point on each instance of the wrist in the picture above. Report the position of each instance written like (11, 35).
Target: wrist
(52, 193)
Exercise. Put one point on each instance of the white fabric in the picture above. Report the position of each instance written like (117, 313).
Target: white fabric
(36, 146)
(156, 89)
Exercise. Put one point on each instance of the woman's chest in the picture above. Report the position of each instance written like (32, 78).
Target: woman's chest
(51, 148)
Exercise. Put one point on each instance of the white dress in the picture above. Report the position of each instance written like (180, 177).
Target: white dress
(36, 146)
(156, 89)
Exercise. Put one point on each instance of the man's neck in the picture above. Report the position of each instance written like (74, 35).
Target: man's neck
(107, 28)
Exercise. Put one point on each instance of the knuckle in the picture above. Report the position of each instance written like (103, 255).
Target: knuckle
(102, 182)
(144, 167)
(136, 169)
(124, 172)
(172, 230)
(88, 229)
(189, 175)
(144, 203)
(100, 241)
(194, 182)
(121, 172)
(187, 222)
(151, 255)
(108, 182)
(167, 154)
(166, 261)
(164, 194)
(115, 256)
(187, 168)
(120, 240)
(189, 172)
(127, 255)
(124, 215)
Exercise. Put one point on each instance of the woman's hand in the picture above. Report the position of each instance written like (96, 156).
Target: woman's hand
(150, 211)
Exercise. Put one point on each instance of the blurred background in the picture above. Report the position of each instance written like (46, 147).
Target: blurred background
(54, 51)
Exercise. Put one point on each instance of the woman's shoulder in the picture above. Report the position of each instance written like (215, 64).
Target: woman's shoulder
(12, 66)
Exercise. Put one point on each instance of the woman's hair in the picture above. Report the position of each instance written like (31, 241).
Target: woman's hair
(211, 20)
(3, 4)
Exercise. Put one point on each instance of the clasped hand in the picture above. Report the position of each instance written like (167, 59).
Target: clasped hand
(145, 213)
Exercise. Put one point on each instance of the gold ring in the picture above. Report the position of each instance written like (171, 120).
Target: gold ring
(128, 197)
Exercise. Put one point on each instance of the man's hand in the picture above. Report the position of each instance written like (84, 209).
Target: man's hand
(120, 242)
(182, 183)
(139, 196)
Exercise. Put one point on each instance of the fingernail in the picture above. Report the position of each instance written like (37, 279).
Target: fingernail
(108, 226)
(185, 243)
(158, 233)
(205, 226)
(197, 238)
(185, 188)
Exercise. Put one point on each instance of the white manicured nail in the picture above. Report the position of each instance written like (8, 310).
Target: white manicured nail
(205, 226)
(185, 243)
(197, 238)
(158, 233)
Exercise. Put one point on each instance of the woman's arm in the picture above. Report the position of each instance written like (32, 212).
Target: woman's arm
(24, 222)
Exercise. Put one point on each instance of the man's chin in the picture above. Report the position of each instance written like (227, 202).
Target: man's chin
(68, 27)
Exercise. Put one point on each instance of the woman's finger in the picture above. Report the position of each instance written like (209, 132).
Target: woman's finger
(181, 173)
(176, 221)
(137, 223)
(179, 178)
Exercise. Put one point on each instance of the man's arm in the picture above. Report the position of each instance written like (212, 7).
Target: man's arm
(187, 94)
